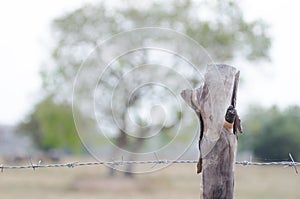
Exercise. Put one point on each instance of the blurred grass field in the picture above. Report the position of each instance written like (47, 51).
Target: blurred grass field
(175, 181)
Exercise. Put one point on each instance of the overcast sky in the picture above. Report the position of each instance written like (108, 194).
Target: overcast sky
(24, 35)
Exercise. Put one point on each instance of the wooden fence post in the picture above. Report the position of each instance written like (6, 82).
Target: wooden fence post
(214, 100)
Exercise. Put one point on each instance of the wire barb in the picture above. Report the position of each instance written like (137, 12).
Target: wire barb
(33, 166)
(71, 164)
(293, 163)
(157, 159)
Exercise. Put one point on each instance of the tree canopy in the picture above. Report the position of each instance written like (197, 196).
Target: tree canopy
(219, 26)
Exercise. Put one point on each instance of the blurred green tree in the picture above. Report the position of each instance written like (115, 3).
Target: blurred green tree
(219, 26)
(272, 133)
(51, 126)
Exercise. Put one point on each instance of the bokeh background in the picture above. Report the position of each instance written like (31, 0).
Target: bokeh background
(44, 43)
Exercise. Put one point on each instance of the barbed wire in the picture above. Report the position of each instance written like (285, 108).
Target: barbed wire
(120, 163)
(291, 163)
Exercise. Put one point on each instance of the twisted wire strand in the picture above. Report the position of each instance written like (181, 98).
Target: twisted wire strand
(119, 163)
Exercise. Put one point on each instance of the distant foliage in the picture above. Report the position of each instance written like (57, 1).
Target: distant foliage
(51, 126)
(272, 133)
(219, 26)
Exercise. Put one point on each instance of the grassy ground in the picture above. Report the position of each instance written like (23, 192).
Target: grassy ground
(176, 181)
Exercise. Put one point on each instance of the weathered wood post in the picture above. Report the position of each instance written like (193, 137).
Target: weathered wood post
(214, 100)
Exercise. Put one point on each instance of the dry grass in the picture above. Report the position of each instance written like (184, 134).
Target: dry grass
(176, 181)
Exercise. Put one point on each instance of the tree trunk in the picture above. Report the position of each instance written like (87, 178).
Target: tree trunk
(217, 143)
